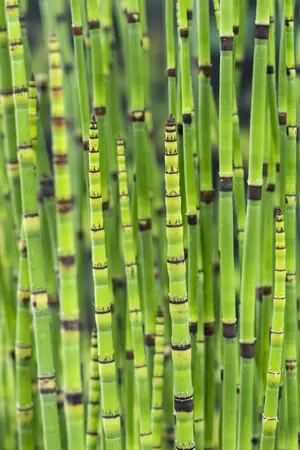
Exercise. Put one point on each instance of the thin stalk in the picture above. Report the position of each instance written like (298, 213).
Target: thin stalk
(290, 214)
(170, 50)
(178, 302)
(23, 354)
(251, 249)
(93, 411)
(228, 315)
(110, 407)
(137, 106)
(31, 223)
(69, 308)
(133, 300)
(269, 417)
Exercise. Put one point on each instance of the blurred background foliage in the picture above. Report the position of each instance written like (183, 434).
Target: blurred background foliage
(158, 63)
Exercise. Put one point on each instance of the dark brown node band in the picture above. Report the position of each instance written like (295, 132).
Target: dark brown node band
(261, 31)
(184, 404)
(278, 167)
(70, 325)
(74, 398)
(187, 118)
(132, 17)
(30, 215)
(149, 340)
(229, 330)
(206, 69)
(77, 30)
(14, 43)
(99, 110)
(184, 33)
(226, 43)
(193, 327)
(181, 348)
(226, 184)
(282, 118)
(58, 121)
(67, 260)
(191, 219)
(93, 24)
(206, 196)
(176, 301)
(180, 129)
(247, 350)
(209, 329)
(290, 365)
(236, 29)
(46, 188)
(171, 72)
(60, 159)
(189, 14)
(105, 205)
(65, 206)
(270, 69)
(138, 116)
(254, 192)
(271, 187)
(145, 224)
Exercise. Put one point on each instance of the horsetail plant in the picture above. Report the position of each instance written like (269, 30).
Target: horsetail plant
(178, 301)
(226, 227)
(290, 210)
(269, 417)
(110, 407)
(31, 223)
(69, 312)
(133, 300)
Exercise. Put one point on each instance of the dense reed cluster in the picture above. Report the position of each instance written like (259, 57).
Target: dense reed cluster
(148, 289)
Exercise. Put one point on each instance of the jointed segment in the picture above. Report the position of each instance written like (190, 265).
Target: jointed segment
(178, 301)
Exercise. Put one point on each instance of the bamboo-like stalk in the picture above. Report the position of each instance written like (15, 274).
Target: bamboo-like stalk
(170, 50)
(269, 418)
(133, 300)
(181, 342)
(110, 408)
(290, 214)
(9, 125)
(31, 223)
(69, 312)
(23, 354)
(229, 405)
(247, 311)
(93, 411)
(158, 380)
(137, 107)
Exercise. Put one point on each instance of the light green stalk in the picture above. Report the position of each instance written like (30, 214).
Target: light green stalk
(31, 223)
(69, 308)
(228, 316)
(137, 107)
(170, 50)
(23, 355)
(133, 300)
(290, 214)
(269, 417)
(110, 408)
(251, 248)
(93, 410)
(178, 302)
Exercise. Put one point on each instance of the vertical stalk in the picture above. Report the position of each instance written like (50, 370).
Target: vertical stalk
(69, 323)
(229, 406)
(269, 417)
(110, 407)
(251, 249)
(181, 341)
(290, 214)
(31, 223)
